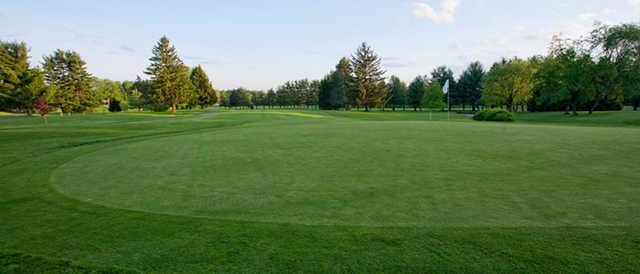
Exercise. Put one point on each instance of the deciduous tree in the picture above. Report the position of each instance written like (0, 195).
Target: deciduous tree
(470, 85)
(416, 92)
(397, 93)
(509, 83)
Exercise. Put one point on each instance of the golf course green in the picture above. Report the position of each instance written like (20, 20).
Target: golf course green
(314, 191)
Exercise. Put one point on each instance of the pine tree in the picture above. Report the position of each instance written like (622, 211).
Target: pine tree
(343, 95)
(327, 88)
(169, 75)
(69, 82)
(20, 86)
(368, 77)
(13, 62)
(203, 91)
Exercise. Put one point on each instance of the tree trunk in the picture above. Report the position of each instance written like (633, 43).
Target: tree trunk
(173, 108)
(595, 105)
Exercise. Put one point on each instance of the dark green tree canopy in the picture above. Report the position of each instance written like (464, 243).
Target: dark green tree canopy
(336, 89)
(70, 83)
(470, 85)
(20, 85)
(170, 77)
(416, 92)
(397, 92)
(203, 90)
(368, 77)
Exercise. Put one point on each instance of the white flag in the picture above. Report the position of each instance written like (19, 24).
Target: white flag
(445, 89)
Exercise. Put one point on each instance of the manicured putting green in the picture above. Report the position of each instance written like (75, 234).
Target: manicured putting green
(372, 173)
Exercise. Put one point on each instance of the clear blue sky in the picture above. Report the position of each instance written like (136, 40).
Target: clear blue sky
(260, 44)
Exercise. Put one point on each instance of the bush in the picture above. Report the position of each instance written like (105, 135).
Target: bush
(114, 106)
(494, 115)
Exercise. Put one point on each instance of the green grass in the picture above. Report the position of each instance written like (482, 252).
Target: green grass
(312, 191)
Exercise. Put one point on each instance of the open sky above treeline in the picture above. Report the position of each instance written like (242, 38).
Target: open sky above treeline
(260, 44)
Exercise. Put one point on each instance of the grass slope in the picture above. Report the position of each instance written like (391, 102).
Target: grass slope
(583, 218)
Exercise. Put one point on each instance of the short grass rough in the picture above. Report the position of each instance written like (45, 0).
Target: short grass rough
(318, 192)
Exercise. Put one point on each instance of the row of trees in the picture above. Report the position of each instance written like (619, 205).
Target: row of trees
(597, 72)
(63, 82)
(359, 82)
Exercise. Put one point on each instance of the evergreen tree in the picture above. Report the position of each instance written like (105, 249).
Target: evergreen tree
(336, 89)
(313, 93)
(343, 95)
(286, 94)
(271, 98)
(203, 91)
(170, 77)
(69, 82)
(240, 98)
(13, 62)
(470, 85)
(326, 92)
(416, 92)
(397, 93)
(443, 74)
(368, 77)
(20, 86)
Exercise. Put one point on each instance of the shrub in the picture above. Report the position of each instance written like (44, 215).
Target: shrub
(494, 115)
(114, 106)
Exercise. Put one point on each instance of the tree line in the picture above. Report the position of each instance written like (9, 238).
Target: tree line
(63, 82)
(600, 71)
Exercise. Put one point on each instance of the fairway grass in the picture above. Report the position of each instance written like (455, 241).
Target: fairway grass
(312, 191)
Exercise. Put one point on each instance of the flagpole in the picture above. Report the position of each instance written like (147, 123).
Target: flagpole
(448, 101)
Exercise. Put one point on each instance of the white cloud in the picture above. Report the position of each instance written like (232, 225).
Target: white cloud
(634, 3)
(445, 14)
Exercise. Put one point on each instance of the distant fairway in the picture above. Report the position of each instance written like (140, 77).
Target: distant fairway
(313, 191)
(353, 172)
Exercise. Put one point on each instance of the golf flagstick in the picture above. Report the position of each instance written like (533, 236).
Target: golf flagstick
(446, 89)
